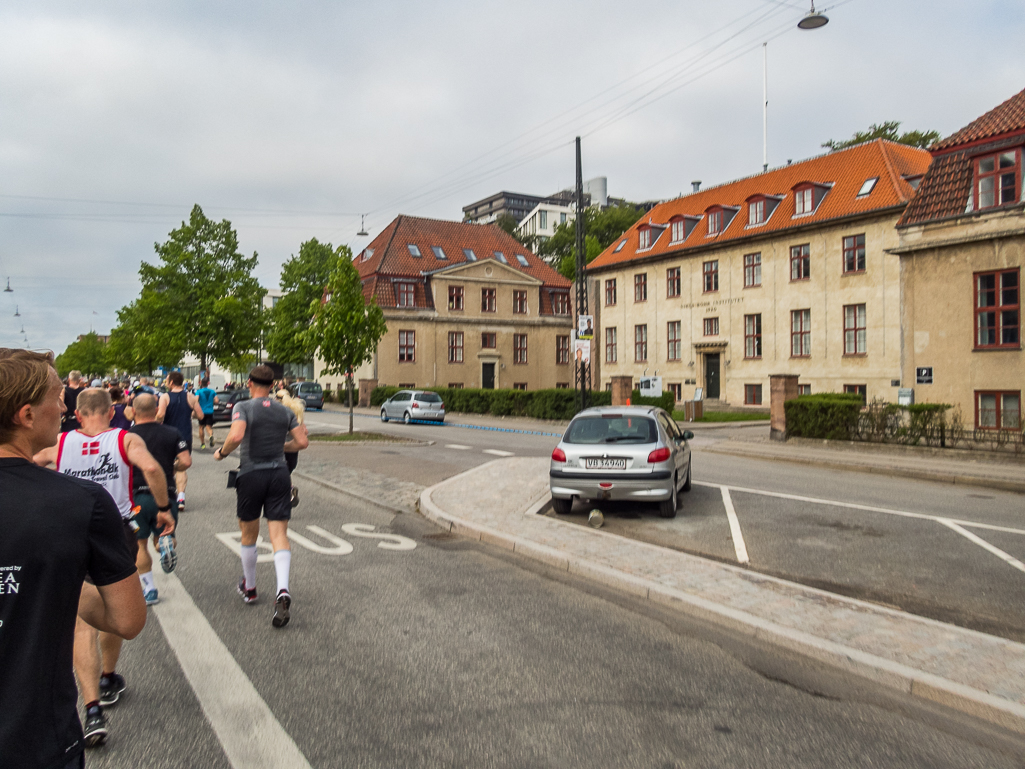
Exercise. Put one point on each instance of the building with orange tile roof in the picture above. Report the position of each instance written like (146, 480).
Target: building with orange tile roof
(782, 272)
(466, 306)
(961, 251)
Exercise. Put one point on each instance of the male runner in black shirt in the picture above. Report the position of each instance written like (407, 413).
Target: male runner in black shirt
(55, 530)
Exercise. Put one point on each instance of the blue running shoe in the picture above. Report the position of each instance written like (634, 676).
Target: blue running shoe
(168, 557)
(151, 597)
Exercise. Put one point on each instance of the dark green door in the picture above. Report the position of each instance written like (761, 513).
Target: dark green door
(487, 376)
(712, 375)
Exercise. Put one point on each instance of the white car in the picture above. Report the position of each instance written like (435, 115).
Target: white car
(414, 406)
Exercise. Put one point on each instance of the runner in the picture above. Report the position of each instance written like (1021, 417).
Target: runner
(123, 413)
(170, 450)
(261, 426)
(176, 408)
(70, 396)
(207, 398)
(99, 453)
(298, 407)
(56, 530)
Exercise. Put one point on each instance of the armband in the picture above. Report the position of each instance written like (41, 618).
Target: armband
(165, 509)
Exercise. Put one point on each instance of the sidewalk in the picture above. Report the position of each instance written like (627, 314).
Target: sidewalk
(977, 674)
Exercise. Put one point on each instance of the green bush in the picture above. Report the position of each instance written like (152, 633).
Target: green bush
(381, 393)
(665, 401)
(539, 404)
(832, 416)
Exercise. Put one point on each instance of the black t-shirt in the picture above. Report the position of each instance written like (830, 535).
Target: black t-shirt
(54, 529)
(164, 443)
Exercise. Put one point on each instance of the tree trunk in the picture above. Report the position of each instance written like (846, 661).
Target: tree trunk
(348, 381)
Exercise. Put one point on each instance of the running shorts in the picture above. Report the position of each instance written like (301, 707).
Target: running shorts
(207, 420)
(266, 490)
(147, 515)
(291, 459)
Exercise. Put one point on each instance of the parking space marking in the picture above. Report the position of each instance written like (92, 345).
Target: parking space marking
(499, 453)
(1010, 560)
(457, 446)
(738, 537)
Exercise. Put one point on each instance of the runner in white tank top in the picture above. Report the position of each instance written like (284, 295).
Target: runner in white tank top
(102, 459)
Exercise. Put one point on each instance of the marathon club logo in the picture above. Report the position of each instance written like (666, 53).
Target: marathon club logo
(104, 470)
(9, 584)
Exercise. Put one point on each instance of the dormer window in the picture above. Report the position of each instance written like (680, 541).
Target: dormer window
(643, 238)
(715, 221)
(682, 227)
(868, 186)
(756, 211)
(413, 250)
(808, 196)
(996, 179)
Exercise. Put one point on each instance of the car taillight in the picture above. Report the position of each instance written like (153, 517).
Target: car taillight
(658, 455)
(558, 455)
(416, 405)
(441, 407)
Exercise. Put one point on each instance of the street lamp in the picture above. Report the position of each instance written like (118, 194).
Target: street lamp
(813, 19)
(362, 230)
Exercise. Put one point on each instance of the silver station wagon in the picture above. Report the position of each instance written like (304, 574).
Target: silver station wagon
(412, 406)
(624, 453)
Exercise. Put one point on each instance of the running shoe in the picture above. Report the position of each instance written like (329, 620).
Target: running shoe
(151, 597)
(168, 555)
(95, 727)
(181, 502)
(110, 689)
(295, 497)
(249, 596)
(202, 445)
(281, 607)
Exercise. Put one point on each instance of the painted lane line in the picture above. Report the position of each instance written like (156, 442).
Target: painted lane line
(983, 544)
(457, 446)
(738, 537)
(499, 453)
(248, 732)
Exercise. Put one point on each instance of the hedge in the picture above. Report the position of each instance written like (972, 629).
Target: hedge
(833, 416)
(539, 404)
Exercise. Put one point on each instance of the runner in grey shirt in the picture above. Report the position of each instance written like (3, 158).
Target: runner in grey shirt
(265, 430)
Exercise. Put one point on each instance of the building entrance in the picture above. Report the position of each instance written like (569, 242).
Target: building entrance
(487, 376)
(712, 375)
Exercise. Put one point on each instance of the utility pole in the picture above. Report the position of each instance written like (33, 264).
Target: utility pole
(583, 368)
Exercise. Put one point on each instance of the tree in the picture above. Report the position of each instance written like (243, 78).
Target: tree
(303, 278)
(142, 340)
(602, 228)
(888, 130)
(207, 293)
(346, 327)
(86, 355)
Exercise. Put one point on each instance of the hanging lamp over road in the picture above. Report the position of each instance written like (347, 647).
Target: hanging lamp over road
(813, 19)
(362, 230)
(8, 290)
(16, 313)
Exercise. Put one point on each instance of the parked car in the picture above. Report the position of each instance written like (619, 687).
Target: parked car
(412, 405)
(631, 453)
(309, 392)
(226, 400)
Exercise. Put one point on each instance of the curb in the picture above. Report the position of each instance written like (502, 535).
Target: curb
(907, 680)
(353, 494)
(896, 472)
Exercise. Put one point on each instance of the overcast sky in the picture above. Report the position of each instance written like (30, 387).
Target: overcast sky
(290, 119)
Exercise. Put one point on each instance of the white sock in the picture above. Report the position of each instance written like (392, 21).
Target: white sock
(282, 563)
(249, 565)
(147, 582)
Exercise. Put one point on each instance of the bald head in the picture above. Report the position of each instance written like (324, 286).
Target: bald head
(145, 406)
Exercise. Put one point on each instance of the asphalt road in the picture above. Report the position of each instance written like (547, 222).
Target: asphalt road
(455, 654)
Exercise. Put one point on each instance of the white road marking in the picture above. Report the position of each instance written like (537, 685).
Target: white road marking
(391, 541)
(341, 547)
(983, 544)
(498, 453)
(738, 537)
(251, 736)
(457, 446)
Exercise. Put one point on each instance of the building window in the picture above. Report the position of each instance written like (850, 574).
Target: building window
(560, 303)
(406, 292)
(562, 349)
(413, 250)
(715, 222)
(489, 341)
(753, 336)
(857, 389)
(710, 270)
(519, 385)
(562, 385)
(610, 292)
(640, 343)
(673, 282)
(542, 220)
(487, 300)
(800, 262)
(439, 253)
(752, 395)
(455, 385)
(711, 327)
(804, 201)
(470, 256)
(678, 230)
(870, 185)
(804, 389)
(520, 302)
(998, 410)
(752, 270)
(519, 348)
(641, 287)
(455, 297)
(407, 346)
(854, 329)
(611, 351)
(996, 179)
(643, 238)
(997, 309)
(756, 212)
(677, 390)
(455, 346)
(562, 218)
(854, 253)
(674, 340)
(800, 333)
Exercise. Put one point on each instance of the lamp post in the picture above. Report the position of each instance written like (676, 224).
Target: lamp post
(583, 368)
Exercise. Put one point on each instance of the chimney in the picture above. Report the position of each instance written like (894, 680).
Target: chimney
(696, 184)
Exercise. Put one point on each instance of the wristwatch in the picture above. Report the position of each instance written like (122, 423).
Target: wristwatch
(165, 509)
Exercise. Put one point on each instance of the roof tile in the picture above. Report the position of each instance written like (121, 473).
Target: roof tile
(1005, 118)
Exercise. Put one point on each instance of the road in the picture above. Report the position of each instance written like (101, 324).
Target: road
(439, 652)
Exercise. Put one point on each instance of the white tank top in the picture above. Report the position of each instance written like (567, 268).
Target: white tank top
(100, 458)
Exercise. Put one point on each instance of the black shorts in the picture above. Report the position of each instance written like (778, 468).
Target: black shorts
(147, 515)
(130, 539)
(207, 420)
(291, 459)
(266, 490)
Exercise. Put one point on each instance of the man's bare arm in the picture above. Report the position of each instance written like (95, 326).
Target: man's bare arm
(118, 608)
(299, 439)
(162, 403)
(196, 408)
(232, 440)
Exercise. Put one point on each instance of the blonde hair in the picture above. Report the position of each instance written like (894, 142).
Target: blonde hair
(93, 400)
(297, 405)
(24, 379)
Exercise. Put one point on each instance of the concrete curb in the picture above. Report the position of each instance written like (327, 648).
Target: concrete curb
(1000, 484)
(924, 686)
(353, 494)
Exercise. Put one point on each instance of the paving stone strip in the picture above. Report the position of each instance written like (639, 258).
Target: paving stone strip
(391, 492)
(970, 671)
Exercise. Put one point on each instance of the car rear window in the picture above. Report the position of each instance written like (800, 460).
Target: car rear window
(311, 387)
(619, 429)
(428, 397)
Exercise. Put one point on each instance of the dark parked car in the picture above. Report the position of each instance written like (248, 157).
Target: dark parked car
(226, 400)
(309, 392)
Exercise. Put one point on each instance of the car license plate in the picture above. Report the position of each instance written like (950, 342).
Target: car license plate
(605, 463)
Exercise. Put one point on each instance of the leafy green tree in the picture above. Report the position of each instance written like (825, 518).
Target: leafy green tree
(889, 130)
(346, 328)
(211, 300)
(601, 228)
(142, 340)
(87, 355)
(303, 278)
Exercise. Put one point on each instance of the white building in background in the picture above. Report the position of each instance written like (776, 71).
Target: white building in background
(544, 219)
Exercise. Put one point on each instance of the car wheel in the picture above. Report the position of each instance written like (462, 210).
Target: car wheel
(686, 483)
(384, 415)
(667, 509)
(407, 418)
(562, 506)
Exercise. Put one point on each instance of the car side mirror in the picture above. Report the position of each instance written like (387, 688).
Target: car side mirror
(688, 435)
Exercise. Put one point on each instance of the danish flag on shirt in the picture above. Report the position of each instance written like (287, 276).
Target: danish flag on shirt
(90, 447)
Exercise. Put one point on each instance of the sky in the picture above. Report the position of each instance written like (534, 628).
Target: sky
(291, 120)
